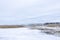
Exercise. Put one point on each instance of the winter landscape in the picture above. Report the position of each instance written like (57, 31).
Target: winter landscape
(29, 19)
(30, 32)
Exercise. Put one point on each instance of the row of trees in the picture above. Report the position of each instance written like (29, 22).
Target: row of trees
(46, 24)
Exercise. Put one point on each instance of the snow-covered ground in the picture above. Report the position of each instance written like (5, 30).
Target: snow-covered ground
(25, 34)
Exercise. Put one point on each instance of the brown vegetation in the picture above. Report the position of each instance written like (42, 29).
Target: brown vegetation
(11, 26)
(53, 25)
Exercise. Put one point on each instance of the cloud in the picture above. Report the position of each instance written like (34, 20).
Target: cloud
(17, 10)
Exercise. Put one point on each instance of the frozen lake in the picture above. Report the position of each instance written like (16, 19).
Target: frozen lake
(24, 34)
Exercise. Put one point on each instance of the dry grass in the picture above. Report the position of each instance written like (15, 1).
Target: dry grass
(53, 25)
(10, 26)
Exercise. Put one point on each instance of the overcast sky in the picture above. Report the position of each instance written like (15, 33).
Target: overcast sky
(29, 11)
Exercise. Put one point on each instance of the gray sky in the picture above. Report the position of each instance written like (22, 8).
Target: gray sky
(25, 11)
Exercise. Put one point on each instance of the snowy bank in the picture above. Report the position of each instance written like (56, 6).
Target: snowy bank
(24, 34)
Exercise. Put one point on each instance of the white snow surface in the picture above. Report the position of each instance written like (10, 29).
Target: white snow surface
(24, 34)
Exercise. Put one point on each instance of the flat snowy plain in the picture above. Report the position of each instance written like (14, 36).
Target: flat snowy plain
(25, 34)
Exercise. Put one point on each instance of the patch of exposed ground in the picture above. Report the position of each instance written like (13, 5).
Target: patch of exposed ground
(11, 26)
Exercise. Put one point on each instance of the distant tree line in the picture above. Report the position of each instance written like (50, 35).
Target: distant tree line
(46, 24)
